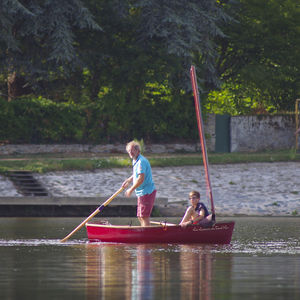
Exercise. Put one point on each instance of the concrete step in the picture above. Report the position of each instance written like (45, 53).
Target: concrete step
(26, 184)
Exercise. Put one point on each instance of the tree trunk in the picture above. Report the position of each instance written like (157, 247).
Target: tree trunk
(16, 86)
(11, 86)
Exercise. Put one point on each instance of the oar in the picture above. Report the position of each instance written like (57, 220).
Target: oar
(100, 208)
(163, 223)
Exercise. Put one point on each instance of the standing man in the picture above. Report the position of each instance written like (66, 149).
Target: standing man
(142, 183)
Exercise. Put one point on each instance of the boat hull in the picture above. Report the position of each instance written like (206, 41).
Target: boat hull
(220, 233)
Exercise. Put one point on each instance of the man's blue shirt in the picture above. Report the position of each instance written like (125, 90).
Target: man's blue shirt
(142, 166)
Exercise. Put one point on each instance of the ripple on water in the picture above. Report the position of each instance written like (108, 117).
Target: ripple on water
(290, 247)
(285, 247)
(39, 242)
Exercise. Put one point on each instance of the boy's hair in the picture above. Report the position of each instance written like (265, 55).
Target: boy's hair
(194, 193)
(134, 144)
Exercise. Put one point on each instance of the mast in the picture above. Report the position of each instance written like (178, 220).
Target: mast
(202, 138)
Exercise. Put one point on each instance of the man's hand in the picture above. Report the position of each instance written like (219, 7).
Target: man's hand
(126, 182)
(138, 182)
(128, 192)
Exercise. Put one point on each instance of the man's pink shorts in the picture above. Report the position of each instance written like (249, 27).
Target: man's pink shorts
(145, 204)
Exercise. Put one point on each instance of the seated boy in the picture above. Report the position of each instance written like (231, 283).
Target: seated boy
(197, 213)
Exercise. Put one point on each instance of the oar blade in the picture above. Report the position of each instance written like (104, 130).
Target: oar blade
(100, 208)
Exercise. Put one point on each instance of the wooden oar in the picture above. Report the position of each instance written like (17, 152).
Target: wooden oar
(163, 223)
(100, 208)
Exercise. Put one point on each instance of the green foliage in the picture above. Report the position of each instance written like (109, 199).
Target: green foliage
(236, 100)
(133, 80)
(261, 51)
(40, 121)
(123, 72)
(37, 38)
(184, 29)
(142, 42)
(129, 61)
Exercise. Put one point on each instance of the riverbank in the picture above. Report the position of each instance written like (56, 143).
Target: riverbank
(89, 161)
(253, 189)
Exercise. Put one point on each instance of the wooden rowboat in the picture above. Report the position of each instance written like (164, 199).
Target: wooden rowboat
(219, 233)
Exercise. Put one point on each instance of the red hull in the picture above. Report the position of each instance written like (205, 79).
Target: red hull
(220, 233)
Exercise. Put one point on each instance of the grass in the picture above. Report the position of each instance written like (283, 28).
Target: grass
(43, 163)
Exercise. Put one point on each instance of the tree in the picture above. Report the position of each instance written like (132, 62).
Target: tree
(37, 40)
(152, 40)
(261, 54)
(146, 45)
(184, 31)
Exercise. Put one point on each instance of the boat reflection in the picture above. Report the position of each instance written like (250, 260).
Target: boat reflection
(108, 271)
(196, 273)
(144, 277)
(149, 271)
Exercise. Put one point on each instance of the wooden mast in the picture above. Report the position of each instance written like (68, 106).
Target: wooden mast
(202, 137)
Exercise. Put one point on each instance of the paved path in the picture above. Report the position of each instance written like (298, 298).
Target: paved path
(246, 189)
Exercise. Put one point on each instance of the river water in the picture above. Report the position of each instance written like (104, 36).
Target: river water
(262, 262)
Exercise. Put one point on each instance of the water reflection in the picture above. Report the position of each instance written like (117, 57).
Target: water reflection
(196, 273)
(144, 274)
(147, 271)
(262, 262)
(108, 271)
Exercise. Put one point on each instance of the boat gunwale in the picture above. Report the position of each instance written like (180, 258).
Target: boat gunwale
(129, 226)
(162, 225)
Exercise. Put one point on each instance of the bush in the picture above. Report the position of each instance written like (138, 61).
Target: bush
(40, 120)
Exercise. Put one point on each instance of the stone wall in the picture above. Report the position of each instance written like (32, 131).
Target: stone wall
(210, 132)
(262, 132)
(11, 149)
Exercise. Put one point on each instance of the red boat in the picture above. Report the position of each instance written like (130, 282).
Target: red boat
(219, 233)
(216, 233)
